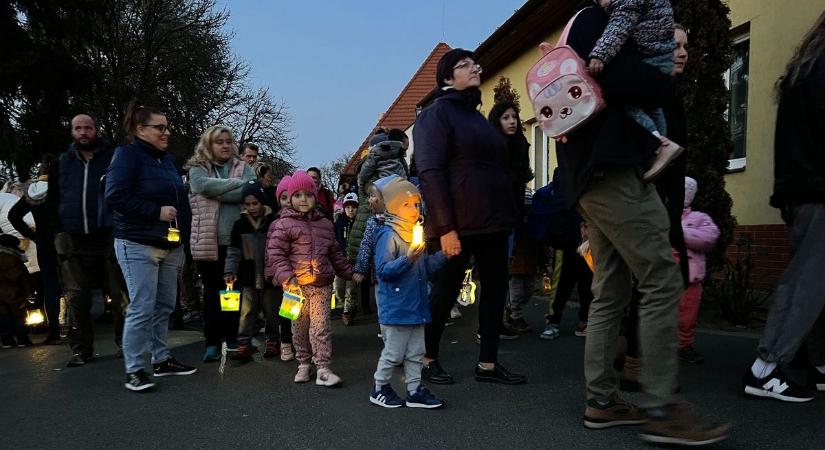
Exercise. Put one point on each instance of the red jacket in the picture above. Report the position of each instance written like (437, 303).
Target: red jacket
(304, 247)
(326, 201)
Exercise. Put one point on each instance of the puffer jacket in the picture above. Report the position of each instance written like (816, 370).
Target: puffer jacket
(700, 236)
(304, 247)
(384, 159)
(216, 205)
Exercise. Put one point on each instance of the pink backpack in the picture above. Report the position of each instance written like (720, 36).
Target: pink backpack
(563, 94)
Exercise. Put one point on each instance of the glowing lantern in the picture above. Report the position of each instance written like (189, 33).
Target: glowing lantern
(332, 303)
(173, 235)
(467, 296)
(230, 299)
(291, 304)
(418, 235)
(34, 317)
(548, 284)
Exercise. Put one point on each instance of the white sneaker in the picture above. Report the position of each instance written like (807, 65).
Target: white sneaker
(326, 378)
(667, 152)
(455, 313)
(287, 353)
(302, 376)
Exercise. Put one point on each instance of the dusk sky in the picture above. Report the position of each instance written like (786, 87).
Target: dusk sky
(338, 65)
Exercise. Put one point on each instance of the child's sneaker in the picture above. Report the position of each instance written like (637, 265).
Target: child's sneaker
(287, 353)
(273, 349)
(423, 398)
(326, 378)
(386, 397)
(551, 331)
(212, 354)
(243, 354)
(302, 376)
(581, 329)
(667, 152)
(347, 318)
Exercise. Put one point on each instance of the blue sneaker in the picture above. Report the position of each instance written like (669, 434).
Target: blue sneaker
(423, 398)
(550, 332)
(385, 397)
(212, 354)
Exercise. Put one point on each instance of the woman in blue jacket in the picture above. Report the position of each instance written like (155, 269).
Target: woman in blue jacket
(149, 206)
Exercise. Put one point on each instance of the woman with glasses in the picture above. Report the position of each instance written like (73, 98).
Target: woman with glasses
(151, 219)
(217, 176)
(462, 161)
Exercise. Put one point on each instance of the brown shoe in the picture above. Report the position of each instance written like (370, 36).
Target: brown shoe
(614, 413)
(677, 424)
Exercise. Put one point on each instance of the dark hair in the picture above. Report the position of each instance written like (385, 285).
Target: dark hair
(397, 134)
(314, 169)
(138, 114)
(804, 58)
(262, 169)
(250, 146)
(46, 164)
(679, 26)
(498, 110)
(447, 62)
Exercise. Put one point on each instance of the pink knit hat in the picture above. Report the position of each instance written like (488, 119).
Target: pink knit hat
(283, 185)
(300, 181)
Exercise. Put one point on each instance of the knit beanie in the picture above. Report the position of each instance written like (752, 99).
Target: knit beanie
(301, 181)
(447, 62)
(691, 186)
(283, 185)
(378, 138)
(254, 189)
(395, 193)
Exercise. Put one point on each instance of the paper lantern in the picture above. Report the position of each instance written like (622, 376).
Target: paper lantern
(417, 235)
(34, 317)
(291, 304)
(230, 299)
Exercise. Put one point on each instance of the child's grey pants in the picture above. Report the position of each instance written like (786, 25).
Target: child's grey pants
(402, 344)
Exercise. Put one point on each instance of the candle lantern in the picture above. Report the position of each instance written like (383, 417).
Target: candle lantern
(230, 299)
(417, 235)
(467, 296)
(173, 234)
(291, 303)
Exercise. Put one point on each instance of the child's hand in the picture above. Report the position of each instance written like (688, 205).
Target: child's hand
(291, 284)
(229, 278)
(596, 66)
(415, 252)
(358, 278)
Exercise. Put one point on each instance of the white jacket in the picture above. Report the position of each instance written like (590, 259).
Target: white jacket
(6, 202)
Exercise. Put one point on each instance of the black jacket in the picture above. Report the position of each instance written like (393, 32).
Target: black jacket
(76, 190)
(612, 138)
(463, 165)
(343, 226)
(799, 148)
(246, 252)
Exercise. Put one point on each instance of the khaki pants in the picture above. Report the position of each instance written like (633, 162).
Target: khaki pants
(628, 232)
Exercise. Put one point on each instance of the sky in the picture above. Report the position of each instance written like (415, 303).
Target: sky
(338, 65)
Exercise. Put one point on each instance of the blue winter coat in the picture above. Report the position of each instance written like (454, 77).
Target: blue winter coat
(140, 180)
(77, 191)
(402, 294)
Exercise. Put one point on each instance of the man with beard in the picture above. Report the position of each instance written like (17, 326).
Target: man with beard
(83, 239)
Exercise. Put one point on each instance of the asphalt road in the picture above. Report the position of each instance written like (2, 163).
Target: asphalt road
(45, 405)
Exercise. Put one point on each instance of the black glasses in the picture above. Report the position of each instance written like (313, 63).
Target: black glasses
(470, 64)
(160, 127)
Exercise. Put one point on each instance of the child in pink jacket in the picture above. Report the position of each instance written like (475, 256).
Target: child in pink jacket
(700, 236)
(302, 252)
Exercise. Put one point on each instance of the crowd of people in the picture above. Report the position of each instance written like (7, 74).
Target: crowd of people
(131, 222)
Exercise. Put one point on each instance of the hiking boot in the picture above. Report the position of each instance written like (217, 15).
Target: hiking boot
(498, 374)
(630, 375)
(613, 413)
(551, 331)
(665, 155)
(287, 353)
(326, 377)
(423, 398)
(581, 329)
(676, 424)
(690, 355)
(435, 374)
(385, 397)
(138, 381)
(172, 367)
(302, 376)
(347, 318)
(272, 350)
(519, 325)
(776, 385)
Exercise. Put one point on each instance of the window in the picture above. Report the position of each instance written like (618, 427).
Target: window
(736, 79)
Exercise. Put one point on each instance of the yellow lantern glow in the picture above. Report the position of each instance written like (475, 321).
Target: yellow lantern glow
(173, 235)
(417, 235)
(230, 299)
(467, 296)
(34, 317)
(291, 304)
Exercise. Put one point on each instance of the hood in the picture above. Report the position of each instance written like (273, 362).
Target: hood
(387, 150)
(36, 193)
(691, 186)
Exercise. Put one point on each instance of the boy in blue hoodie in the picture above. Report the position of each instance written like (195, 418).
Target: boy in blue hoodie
(402, 270)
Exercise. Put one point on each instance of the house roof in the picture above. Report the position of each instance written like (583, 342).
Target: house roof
(401, 113)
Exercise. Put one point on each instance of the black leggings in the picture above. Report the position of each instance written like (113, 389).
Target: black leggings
(218, 326)
(574, 273)
(490, 254)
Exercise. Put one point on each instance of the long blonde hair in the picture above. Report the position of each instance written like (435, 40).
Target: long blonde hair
(802, 63)
(203, 151)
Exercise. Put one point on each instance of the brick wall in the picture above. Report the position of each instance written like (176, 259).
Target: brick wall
(770, 251)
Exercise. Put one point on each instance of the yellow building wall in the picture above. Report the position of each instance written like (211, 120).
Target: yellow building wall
(776, 29)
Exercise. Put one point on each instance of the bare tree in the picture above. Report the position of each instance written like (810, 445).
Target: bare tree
(331, 172)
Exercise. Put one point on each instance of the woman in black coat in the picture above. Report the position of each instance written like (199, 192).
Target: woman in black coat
(468, 192)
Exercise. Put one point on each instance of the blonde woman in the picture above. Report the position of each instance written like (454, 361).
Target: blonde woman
(216, 177)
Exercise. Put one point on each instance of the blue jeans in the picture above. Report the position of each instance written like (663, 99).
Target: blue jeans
(152, 280)
(653, 119)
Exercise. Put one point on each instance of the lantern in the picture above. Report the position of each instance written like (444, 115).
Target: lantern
(417, 235)
(332, 303)
(34, 317)
(467, 296)
(291, 303)
(230, 299)
(173, 235)
(548, 284)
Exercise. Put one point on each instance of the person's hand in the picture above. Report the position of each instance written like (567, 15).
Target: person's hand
(168, 213)
(229, 278)
(291, 284)
(451, 244)
(562, 139)
(596, 66)
(358, 278)
(415, 252)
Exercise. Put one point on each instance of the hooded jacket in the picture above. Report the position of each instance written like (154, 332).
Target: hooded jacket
(246, 252)
(700, 234)
(304, 247)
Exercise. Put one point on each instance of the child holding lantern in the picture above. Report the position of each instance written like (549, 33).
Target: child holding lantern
(302, 255)
(403, 268)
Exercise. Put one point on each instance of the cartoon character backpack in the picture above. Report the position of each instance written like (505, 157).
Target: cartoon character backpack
(564, 95)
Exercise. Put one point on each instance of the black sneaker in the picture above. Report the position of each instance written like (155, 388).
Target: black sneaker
(498, 374)
(776, 385)
(520, 325)
(435, 374)
(78, 359)
(138, 381)
(24, 341)
(690, 355)
(172, 367)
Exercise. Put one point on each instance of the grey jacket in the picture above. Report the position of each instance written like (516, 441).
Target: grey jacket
(385, 159)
